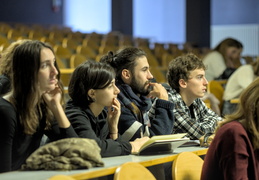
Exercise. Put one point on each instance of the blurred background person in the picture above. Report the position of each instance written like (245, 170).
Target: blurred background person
(6, 66)
(237, 82)
(223, 60)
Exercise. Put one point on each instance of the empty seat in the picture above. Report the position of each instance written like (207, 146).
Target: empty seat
(187, 166)
(216, 87)
(77, 59)
(133, 170)
(87, 51)
(64, 54)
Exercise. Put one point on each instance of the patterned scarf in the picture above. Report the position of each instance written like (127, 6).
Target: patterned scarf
(139, 105)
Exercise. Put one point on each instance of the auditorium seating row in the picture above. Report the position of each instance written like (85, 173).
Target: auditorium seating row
(74, 45)
(72, 48)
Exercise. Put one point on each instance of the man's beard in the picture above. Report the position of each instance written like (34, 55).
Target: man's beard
(139, 88)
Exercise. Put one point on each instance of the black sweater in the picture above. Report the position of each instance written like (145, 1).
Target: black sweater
(135, 109)
(15, 145)
(87, 125)
(5, 84)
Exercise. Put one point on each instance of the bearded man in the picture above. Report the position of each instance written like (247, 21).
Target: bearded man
(137, 92)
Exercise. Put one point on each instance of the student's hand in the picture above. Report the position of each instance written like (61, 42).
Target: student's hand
(137, 143)
(205, 141)
(114, 113)
(52, 98)
(158, 91)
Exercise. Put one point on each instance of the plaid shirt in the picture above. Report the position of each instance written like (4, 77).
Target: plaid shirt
(204, 120)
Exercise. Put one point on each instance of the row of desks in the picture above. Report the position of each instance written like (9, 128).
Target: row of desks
(109, 168)
(111, 163)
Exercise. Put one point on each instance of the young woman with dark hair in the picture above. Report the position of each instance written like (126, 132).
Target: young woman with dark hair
(94, 110)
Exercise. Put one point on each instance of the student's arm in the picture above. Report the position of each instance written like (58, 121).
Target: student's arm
(161, 117)
(53, 100)
(244, 80)
(129, 127)
(161, 121)
(7, 132)
(161, 114)
(84, 129)
(61, 128)
(113, 116)
(158, 91)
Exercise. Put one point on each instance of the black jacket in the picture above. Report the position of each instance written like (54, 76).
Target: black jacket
(5, 85)
(87, 125)
(135, 115)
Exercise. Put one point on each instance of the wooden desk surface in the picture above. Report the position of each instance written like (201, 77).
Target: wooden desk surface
(144, 160)
(111, 164)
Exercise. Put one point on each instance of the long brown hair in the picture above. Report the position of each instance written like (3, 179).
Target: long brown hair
(226, 43)
(7, 57)
(25, 93)
(247, 112)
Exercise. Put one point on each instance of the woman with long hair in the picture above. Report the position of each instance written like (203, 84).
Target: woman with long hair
(223, 60)
(234, 152)
(34, 102)
(237, 82)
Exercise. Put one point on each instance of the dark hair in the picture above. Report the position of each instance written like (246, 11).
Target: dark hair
(247, 112)
(180, 67)
(123, 59)
(25, 68)
(229, 42)
(89, 75)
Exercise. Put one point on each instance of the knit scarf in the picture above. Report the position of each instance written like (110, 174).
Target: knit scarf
(139, 105)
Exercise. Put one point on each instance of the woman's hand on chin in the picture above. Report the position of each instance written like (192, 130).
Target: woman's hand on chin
(52, 97)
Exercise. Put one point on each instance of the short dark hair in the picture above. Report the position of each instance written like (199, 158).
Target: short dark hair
(123, 59)
(89, 75)
(180, 67)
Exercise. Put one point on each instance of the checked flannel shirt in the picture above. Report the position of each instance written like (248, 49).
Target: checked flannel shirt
(203, 120)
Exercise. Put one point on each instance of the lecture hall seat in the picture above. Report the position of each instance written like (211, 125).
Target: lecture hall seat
(133, 170)
(187, 166)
